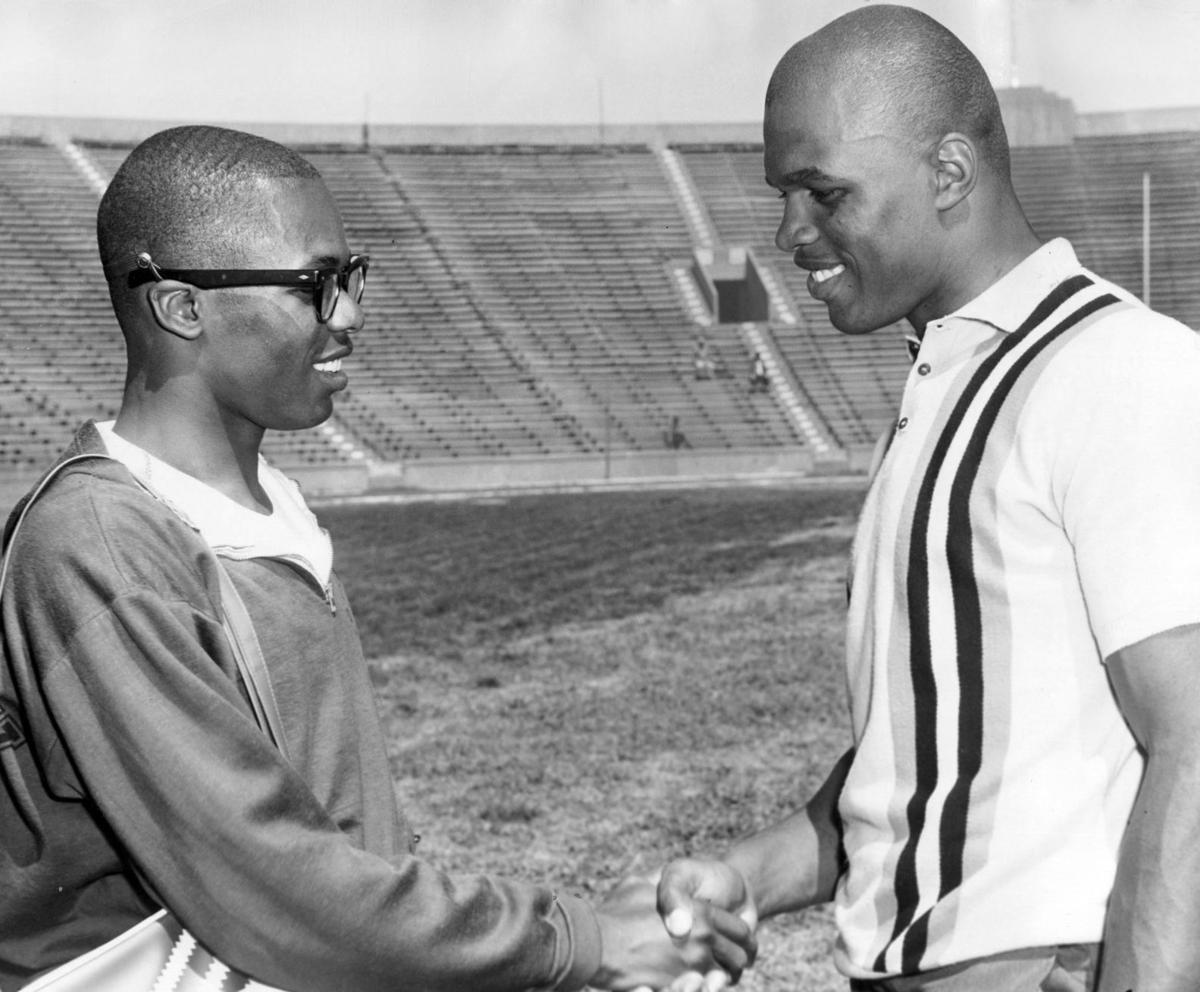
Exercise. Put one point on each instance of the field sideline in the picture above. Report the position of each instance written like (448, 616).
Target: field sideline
(577, 686)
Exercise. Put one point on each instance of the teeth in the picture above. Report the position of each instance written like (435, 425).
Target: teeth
(333, 366)
(820, 275)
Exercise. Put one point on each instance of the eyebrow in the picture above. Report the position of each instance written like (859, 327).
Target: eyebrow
(325, 262)
(802, 176)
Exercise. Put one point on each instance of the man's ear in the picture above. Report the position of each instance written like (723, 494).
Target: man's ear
(956, 169)
(176, 308)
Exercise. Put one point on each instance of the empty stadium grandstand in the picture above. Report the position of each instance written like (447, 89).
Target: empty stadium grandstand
(534, 302)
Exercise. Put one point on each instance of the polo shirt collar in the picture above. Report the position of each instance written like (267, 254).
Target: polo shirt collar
(1008, 301)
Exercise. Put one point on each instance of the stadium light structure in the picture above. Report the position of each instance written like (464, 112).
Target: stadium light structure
(1146, 237)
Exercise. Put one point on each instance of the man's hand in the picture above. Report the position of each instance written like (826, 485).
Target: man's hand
(688, 889)
(639, 953)
(782, 868)
(687, 883)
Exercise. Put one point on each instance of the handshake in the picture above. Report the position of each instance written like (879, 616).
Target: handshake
(692, 932)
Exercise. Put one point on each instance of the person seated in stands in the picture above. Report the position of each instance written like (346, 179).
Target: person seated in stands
(675, 437)
(758, 374)
(702, 360)
(136, 769)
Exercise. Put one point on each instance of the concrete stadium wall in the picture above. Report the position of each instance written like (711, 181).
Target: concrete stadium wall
(1032, 116)
(620, 467)
(315, 480)
(1138, 121)
(458, 475)
(119, 131)
(329, 480)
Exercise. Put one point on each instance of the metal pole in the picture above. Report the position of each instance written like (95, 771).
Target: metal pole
(1013, 76)
(1146, 238)
(600, 105)
(607, 429)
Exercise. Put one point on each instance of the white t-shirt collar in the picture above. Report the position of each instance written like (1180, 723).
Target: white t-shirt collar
(290, 531)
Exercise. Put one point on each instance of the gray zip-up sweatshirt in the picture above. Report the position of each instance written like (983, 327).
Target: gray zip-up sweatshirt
(133, 774)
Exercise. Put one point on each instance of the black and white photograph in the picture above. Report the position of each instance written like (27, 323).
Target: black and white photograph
(633, 495)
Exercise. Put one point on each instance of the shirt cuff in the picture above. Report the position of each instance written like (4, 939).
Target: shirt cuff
(578, 955)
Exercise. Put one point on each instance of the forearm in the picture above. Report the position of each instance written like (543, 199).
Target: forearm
(794, 864)
(256, 867)
(1154, 913)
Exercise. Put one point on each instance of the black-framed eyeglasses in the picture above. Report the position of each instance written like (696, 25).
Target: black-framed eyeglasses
(326, 283)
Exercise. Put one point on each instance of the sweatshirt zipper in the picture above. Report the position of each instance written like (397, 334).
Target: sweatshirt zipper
(302, 564)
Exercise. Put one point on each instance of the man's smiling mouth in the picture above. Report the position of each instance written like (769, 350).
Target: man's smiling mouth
(821, 275)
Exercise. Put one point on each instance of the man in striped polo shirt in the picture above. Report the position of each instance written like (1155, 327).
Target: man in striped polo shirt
(1020, 808)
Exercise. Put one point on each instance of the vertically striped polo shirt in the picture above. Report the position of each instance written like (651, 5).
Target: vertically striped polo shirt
(1038, 508)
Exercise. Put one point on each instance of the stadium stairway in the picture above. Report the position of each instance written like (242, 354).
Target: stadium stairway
(851, 388)
(783, 383)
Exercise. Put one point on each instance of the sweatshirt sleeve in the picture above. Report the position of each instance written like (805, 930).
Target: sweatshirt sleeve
(134, 670)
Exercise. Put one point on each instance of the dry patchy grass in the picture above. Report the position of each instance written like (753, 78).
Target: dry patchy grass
(579, 687)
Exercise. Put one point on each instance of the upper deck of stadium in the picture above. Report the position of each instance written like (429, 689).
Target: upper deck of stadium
(537, 293)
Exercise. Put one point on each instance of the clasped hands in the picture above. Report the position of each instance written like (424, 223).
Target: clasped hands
(692, 931)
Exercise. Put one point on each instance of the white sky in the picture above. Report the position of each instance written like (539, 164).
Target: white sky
(534, 61)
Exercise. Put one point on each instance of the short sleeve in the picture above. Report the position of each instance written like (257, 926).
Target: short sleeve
(1128, 476)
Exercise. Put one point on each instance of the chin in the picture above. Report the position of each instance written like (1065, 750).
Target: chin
(301, 422)
(318, 420)
(855, 326)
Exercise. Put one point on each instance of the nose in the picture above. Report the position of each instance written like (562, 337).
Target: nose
(796, 229)
(348, 316)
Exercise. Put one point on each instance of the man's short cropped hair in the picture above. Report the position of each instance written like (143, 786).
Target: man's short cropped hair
(918, 79)
(191, 196)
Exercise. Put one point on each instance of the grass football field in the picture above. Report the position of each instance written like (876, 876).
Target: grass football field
(580, 686)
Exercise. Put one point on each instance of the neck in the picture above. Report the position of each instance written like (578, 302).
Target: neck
(195, 441)
(992, 244)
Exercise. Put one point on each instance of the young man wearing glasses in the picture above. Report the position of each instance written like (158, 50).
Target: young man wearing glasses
(134, 772)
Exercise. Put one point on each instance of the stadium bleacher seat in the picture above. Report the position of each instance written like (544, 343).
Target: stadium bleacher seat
(523, 299)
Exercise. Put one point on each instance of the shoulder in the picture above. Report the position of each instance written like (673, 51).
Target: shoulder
(1131, 316)
(93, 525)
(1129, 346)
(1123, 388)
